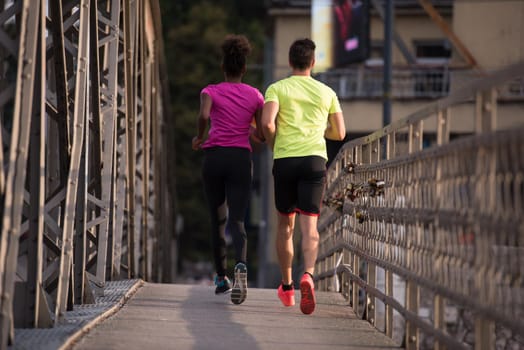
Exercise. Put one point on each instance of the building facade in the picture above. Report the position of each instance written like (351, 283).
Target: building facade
(469, 38)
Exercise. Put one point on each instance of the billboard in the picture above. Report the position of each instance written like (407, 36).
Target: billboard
(321, 33)
(340, 28)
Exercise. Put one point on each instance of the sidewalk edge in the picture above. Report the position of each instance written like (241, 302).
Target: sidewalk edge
(75, 337)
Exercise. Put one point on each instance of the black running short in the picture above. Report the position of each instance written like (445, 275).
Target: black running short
(299, 184)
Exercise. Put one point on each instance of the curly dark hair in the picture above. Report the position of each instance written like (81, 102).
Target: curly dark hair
(235, 50)
(302, 53)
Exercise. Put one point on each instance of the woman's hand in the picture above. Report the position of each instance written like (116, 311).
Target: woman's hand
(256, 135)
(196, 143)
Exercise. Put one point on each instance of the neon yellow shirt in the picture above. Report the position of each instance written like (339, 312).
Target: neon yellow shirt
(304, 107)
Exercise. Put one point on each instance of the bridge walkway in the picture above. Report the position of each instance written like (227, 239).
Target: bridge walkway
(175, 316)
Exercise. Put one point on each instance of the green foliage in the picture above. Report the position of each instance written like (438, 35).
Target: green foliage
(193, 32)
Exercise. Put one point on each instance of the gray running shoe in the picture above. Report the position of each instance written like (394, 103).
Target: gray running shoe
(239, 292)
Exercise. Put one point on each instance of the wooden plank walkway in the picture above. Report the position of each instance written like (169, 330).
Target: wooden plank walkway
(171, 316)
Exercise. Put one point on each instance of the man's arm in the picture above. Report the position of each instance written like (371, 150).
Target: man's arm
(336, 130)
(269, 116)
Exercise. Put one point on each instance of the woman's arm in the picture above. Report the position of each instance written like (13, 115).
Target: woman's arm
(203, 120)
(258, 135)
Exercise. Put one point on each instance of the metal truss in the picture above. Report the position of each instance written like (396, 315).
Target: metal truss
(82, 107)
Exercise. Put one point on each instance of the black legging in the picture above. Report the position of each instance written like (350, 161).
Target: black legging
(227, 172)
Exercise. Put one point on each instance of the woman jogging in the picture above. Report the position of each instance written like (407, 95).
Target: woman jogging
(229, 108)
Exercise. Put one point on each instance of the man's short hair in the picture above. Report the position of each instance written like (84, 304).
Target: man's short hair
(302, 53)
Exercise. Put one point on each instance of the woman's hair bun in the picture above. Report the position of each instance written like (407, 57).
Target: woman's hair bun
(235, 49)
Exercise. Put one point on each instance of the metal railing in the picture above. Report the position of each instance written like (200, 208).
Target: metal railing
(83, 186)
(412, 234)
(408, 83)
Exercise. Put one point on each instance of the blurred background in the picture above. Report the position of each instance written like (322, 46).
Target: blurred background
(385, 59)
(198, 28)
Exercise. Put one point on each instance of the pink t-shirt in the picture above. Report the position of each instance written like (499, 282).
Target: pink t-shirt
(232, 109)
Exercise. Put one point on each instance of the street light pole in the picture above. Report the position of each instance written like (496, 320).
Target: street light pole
(388, 36)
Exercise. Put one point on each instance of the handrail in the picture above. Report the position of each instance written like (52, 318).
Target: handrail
(437, 219)
(409, 82)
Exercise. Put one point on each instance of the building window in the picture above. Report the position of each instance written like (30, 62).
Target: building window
(432, 76)
(437, 51)
(376, 53)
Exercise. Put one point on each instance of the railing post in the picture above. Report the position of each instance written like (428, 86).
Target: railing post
(485, 202)
(484, 334)
(443, 126)
(390, 152)
(375, 157)
(438, 317)
(416, 136)
(486, 111)
(355, 287)
(412, 304)
(412, 289)
(346, 259)
(443, 129)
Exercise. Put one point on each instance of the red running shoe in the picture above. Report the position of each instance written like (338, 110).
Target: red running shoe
(287, 297)
(307, 293)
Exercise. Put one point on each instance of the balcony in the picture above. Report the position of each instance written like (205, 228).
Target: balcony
(407, 83)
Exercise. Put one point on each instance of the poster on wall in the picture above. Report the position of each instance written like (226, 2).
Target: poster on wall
(321, 23)
(340, 28)
(351, 31)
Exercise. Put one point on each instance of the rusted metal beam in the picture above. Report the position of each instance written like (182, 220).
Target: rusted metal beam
(129, 54)
(79, 121)
(13, 195)
(455, 40)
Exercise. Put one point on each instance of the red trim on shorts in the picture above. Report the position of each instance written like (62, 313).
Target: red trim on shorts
(286, 214)
(302, 212)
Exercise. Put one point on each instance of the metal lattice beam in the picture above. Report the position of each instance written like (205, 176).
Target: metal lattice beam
(79, 110)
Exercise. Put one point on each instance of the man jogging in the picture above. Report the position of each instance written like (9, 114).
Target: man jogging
(298, 114)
